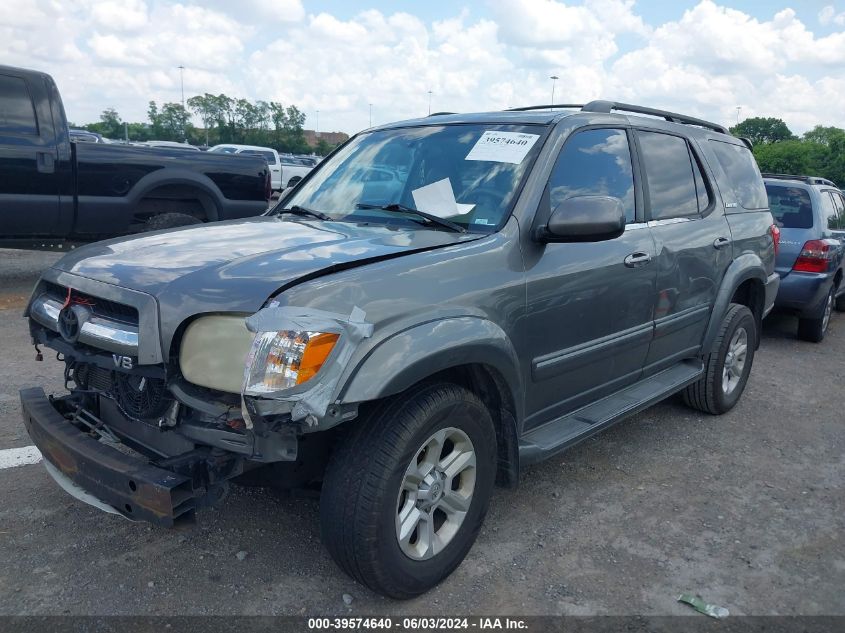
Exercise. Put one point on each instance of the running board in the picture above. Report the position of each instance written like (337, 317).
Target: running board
(558, 435)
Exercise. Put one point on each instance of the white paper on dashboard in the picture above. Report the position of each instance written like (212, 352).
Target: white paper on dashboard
(502, 147)
(438, 199)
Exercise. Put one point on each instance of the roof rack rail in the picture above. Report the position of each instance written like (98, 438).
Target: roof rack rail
(609, 106)
(441, 113)
(810, 180)
(546, 107)
(674, 117)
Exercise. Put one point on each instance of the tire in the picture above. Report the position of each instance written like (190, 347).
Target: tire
(293, 182)
(840, 304)
(709, 394)
(364, 489)
(814, 328)
(170, 221)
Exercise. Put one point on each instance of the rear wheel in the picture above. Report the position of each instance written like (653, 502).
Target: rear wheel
(406, 492)
(727, 366)
(814, 328)
(840, 303)
(170, 221)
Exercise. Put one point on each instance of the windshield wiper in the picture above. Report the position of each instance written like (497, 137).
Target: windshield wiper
(304, 211)
(395, 207)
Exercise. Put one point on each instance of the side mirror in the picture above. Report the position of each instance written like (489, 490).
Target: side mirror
(584, 219)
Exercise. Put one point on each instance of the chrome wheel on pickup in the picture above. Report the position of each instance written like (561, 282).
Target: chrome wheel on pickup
(407, 489)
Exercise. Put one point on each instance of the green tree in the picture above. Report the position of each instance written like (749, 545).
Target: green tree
(323, 147)
(763, 130)
(109, 124)
(824, 135)
(208, 108)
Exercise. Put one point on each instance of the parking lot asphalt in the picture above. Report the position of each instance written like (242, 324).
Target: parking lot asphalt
(746, 509)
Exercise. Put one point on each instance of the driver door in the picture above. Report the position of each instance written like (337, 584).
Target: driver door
(590, 304)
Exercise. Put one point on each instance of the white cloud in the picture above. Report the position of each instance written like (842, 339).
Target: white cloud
(123, 53)
(829, 15)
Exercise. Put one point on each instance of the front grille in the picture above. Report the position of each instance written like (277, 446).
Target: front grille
(101, 307)
(139, 397)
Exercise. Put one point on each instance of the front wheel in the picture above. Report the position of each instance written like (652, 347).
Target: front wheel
(727, 365)
(407, 490)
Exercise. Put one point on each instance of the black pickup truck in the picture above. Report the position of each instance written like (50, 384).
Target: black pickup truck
(54, 192)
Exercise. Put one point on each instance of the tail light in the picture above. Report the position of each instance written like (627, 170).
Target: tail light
(814, 258)
(775, 231)
(268, 187)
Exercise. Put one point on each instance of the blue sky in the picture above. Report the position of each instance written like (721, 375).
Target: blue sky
(703, 57)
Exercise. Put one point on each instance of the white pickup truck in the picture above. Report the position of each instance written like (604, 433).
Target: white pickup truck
(294, 169)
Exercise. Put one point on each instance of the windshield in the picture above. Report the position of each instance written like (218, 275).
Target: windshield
(468, 174)
(790, 206)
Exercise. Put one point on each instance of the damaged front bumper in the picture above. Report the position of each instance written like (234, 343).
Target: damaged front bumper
(163, 493)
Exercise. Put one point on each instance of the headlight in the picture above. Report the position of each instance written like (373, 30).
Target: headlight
(281, 360)
(213, 351)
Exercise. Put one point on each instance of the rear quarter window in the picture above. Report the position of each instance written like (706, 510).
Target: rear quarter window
(791, 206)
(17, 115)
(743, 175)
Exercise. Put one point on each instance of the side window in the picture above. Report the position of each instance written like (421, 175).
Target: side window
(595, 162)
(742, 173)
(836, 221)
(669, 175)
(16, 112)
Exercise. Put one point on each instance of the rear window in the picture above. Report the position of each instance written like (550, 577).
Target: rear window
(790, 206)
(743, 175)
(16, 112)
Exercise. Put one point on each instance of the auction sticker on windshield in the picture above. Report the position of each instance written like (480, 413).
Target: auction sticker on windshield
(502, 147)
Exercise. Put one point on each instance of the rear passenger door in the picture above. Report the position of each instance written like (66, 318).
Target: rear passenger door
(589, 320)
(693, 243)
(29, 194)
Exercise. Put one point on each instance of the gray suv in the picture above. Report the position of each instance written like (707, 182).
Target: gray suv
(439, 304)
(810, 213)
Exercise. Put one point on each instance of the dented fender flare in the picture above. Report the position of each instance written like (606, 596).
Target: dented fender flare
(414, 354)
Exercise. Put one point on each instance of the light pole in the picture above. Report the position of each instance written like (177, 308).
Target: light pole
(182, 83)
(429, 102)
(738, 109)
(371, 115)
(317, 125)
(554, 79)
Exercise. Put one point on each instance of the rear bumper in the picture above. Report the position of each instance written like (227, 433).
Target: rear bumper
(134, 488)
(803, 292)
(772, 286)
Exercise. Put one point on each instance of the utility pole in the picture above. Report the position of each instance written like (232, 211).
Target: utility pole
(554, 79)
(182, 83)
(429, 102)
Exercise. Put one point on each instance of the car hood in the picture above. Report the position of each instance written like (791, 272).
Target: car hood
(237, 265)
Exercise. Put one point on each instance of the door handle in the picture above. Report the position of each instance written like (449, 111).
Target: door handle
(45, 162)
(637, 259)
(721, 242)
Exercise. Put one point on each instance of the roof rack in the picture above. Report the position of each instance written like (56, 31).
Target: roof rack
(674, 117)
(441, 113)
(609, 106)
(546, 107)
(810, 180)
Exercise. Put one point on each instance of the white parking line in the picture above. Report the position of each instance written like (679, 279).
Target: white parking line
(11, 457)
